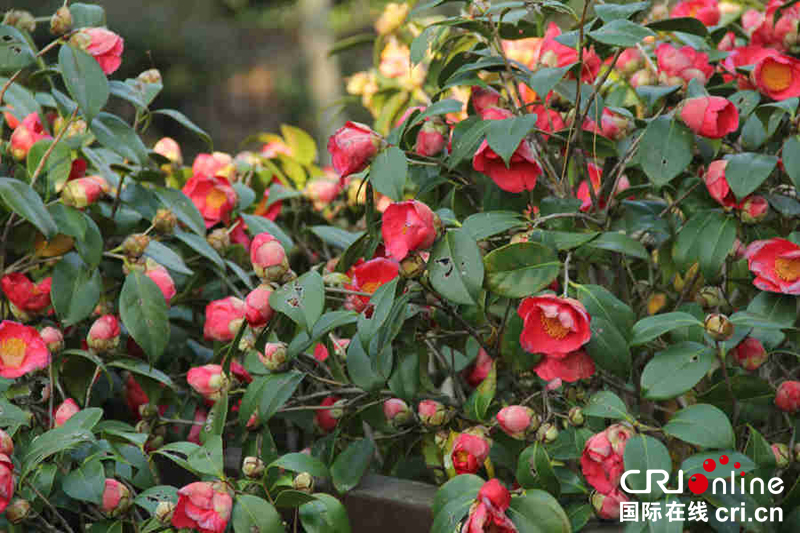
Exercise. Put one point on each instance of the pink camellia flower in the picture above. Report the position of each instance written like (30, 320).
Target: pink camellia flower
(706, 11)
(612, 125)
(367, 277)
(22, 350)
(224, 318)
(200, 416)
(476, 372)
(116, 498)
(754, 209)
(65, 411)
(397, 412)
(574, 366)
(777, 77)
(212, 165)
(523, 169)
(487, 514)
(432, 138)
(629, 61)
(517, 420)
(717, 185)
(258, 311)
(607, 505)
(26, 296)
(6, 481)
(483, 99)
(104, 334)
(681, 65)
(169, 148)
(160, 277)
(788, 396)
(268, 257)
(213, 196)
(547, 119)
(352, 148)
(204, 507)
(469, 453)
(554, 54)
(553, 326)
(208, 380)
(25, 135)
(85, 191)
(326, 419)
(53, 339)
(776, 264)
(727, 43)
(6, 443)
(710, 116)
(408, 226)
(322, 192)
(743, 56)
(750, 354)
(602, 459)
(104, 45)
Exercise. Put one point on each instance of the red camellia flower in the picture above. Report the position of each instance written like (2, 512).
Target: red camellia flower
(204, 507)
(547, 119)
(352, 148)
(258, 311)
(26, 134)
(750, 354)
(788, 396)
(487, 514)
(717, 185)
(208, 380)
(22, 350)
(776, 264)
(475, 373)
(469, 453)
(213, 196)
(601, 462)
(211, 165)
(483, 98)
(25, 295)
(367, 277)
(326, 419)
(744, 56)
(710, 116)
(408, 226)
(706, 11)
(431, 139)
(6, 481)
(6, 443)
(553, 326)
(572, 367)
(678, 66)
(753, 209)
(104, 45)
(607, 505)
(240, 372)
(777, 77)
(224, 318)
(554, 54)
(65, 411)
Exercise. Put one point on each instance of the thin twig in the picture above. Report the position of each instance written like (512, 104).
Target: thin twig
(50, 506)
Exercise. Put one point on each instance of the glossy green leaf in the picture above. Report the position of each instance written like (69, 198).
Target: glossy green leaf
(86, 483)
(335, 236)
(608, 348)
(665, 150)
(606, 404)
(87, 15)
(301, 462)
(361, 368)
(166, 257)
(504, 136)
(644, 453)
(277, 391)
(352, 464)
(456, 267)
(184, 121)
(746, 172)
(116, 135)
(15, 52)
(681, 24)
(707, 236)
(676, 370)
(183, 207)
(302, 300)
(57, 166)
(20, 198)
(703, 425)
(77, 224)
(257, 224)
(388, 173)
(144, 313)
(621, 32)
(325, 514)
(201, 246)
(76, 289)
(85, 81)
(652, 327)
(609, 12)
(143, 369)
(600, 302)
(536, 512)
(252, 514)
(521, 269)
(791, 158)
(483, 225)
(478, 403)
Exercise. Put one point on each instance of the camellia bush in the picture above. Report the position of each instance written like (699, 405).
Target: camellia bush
(556, 276)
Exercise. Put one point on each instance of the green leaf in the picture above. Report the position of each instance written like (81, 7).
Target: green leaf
(183, 207)
(85, 80)
(707, 236)
(215, 421)
(645, 453)
(652, 327)
(302, 300)
(336, 236)
(456, 267)
(201, 246)
(15, 53)
(23, 200)
(184, 121)
(504, 136)
(76, 289)
(150, 498)
(388, 173)
(694, 464)
(58, 164)
(676, 370)
(87, 15)
(621, 32)
(381, 301)
(301, 462)
(791, 158)
(144, 313)
(421, 43)
(478, 403)
(619, 242)
(361, 369)
(207, 459)
(521, 269)
(278, 389)
(289, 499)
(608, 348)
(252, 514)
(77, 224)
(682, 24)
(12, 417)
(703, 425)
(143, 369)
(773, 307)
(759, 450)
(606, 404)
(442, 107)
(116, 135)
(352, 464)
(257, 224)
(166, 257)
(609, 12)
(465, 143)
(545, 79)
(665, 150)
(746, 172)
(600, 303)
(544, 470)
(325, 514)
(86, 483)
(483, 225)
(75, 431)
(537, 511)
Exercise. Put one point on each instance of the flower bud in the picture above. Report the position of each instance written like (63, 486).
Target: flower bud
(61, 21)
(53, 338)
(268, 257)
(326, 419)
(170, 149)
(219, 239)
(754, 209)
(710, 296)
(135, 244)
(607, 505)
(6, 443)
(397, 412)
(143, 426)
(65, 411)
(164, 511)
(152, 75)
(304, 482)
(782, 455)
(22, 20)
(518, 421)
(719, 327)
(787, 398)
(413, 266)
(165, 221)
(209, 381)
(253, 467)
(18, 510)
(104, 334)
(258, 311)
(547, 433)
(575, 416)
(248, 341)
(750, 354)
(432, 413)
(274, 356)
(116, 498)
(83, 192)
(148, 411)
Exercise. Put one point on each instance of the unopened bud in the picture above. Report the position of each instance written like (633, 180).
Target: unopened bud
(22, 20)
(709, 297)
(152, 75)
(219, 240)
(412, 266)
(304, 482)
(547, 433)
(575, 416)
(719, 327)
(397, 412)
(164, 511)
(432, 413)
(754, 209)
(135, 244)
(274, 356)
(165, 221)
(253, 467)
(53, 338)
(61, 21)
(782, 455)
(18, 510)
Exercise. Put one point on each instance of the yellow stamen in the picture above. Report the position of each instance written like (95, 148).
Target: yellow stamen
(776, 76)
(787, 269)
(554, 327)
(216, 198)
(12, 352)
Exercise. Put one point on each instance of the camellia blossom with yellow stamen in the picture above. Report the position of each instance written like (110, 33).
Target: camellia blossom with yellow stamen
(553, 326)
(367, 277)
(776, 264)
(213, 196)
(22, 350)
(777, 77)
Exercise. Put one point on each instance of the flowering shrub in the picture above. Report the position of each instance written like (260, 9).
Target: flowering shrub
(558, 254)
